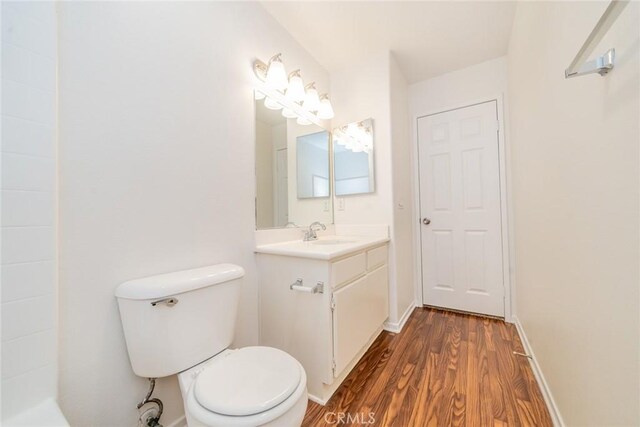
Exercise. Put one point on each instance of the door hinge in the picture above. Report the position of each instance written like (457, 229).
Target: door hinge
(498, 126)
(333, 366)
(333, 303)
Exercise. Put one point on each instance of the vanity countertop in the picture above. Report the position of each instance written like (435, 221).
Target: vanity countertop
(326, 247)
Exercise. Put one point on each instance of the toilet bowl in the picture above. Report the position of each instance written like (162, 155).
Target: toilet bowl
(251, 386)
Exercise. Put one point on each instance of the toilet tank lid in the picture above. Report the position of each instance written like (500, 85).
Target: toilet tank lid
(165, 285)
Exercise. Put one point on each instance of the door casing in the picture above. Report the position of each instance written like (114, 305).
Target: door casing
(506, 210)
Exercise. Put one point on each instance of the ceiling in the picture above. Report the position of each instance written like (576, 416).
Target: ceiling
(427, 38)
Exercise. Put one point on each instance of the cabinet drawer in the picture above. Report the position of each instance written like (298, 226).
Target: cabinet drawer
(377, 257)
(348, 269)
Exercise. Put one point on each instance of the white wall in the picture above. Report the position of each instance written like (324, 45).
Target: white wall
(575, 175)
(361, 92)
(403, 218)
(29, 302)
(458, 88)
(376, 88)
(157, 173)
(357, 93)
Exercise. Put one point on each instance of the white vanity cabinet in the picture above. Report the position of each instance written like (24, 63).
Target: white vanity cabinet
(327, 331)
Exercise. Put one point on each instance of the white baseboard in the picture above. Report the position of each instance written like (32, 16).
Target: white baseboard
(317, 400)
(537, 372)
(180, 422)
(396, 327)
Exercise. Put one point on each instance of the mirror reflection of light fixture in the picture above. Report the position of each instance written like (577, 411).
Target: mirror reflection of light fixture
(295, 90)
(311, 98)
(272, 104)
(303, 121)
(276, 75)
(356, 137)
(325, 110)
(289, 114)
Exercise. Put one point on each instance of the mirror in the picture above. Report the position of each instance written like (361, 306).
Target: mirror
(353, 158)
(313, 165)
(292, 171)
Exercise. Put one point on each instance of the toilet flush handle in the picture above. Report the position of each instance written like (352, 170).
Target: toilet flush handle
(169, 302)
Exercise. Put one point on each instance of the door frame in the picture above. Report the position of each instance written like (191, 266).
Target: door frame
(506, 208)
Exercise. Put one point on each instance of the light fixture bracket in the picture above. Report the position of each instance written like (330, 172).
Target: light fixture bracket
(260, 69)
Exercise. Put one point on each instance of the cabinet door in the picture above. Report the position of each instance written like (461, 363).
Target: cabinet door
(360, 310)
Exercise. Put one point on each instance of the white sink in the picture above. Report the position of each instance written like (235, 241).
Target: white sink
(332, 242)
(326, 247)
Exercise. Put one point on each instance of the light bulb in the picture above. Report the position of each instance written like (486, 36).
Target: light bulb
(295, 90)
(271, 104)
(259, 95)
(276, 75)
(311, 98)
(303, 121)
(289, 114)
(325, 110)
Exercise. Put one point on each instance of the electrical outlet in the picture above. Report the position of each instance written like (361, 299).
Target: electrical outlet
(341, 203)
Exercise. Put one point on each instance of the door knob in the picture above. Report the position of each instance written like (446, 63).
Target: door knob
(426, 221)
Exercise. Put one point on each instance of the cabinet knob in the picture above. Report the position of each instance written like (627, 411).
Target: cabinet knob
(426, 221)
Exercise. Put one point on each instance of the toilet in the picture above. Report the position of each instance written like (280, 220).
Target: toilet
(183, 323)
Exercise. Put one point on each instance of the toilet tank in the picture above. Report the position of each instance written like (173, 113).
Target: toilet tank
(174, 321)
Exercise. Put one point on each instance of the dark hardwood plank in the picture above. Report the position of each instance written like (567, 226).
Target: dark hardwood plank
(443, 369)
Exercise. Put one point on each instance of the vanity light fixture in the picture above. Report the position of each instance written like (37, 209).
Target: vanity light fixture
(325, 110)
(276, 75)
(289, 114)
(295, 90)
(272, 104)
(303, 121)
(289, 92)
(311, 98)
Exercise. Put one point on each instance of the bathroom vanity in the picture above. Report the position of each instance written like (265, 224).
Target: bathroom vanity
(324, 302)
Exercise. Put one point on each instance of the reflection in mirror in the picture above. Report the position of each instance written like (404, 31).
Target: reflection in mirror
(280, 169)
(353, 158)
(313, 165)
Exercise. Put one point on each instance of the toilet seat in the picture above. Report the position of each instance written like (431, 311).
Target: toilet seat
(249, 386)
(262, 376)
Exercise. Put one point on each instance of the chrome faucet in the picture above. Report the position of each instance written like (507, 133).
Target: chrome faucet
(310, 234)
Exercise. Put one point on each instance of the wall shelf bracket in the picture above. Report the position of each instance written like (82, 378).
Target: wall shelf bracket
(604, 63)
(601, 65)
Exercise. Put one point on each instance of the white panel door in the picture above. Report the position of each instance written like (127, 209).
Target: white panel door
(460, 210)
